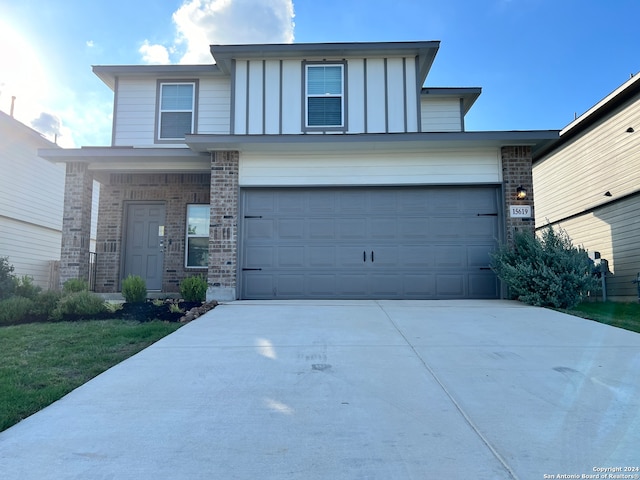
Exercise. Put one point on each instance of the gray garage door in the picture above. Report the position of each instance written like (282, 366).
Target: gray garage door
(386, 243)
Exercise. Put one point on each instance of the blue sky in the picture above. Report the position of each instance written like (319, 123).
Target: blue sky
(539, 62)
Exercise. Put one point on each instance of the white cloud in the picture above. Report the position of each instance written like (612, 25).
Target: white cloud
(200, 23)
(90, 43)
(154, 54)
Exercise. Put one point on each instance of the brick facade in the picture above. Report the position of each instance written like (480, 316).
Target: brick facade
(223, 232)
(76, 223)
(175, 191)
(516, 171)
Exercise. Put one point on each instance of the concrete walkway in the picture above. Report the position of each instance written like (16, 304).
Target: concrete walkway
(350, 390)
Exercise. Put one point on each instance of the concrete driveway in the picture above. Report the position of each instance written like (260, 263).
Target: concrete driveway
(351, 390)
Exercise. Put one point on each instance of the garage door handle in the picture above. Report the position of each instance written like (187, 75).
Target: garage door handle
(251, 269)
(364, 256)
(372, 257)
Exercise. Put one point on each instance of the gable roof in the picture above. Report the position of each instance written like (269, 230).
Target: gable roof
(424, 51)
(598, 112)
(7, 122)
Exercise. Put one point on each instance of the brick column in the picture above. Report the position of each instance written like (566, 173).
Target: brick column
(223, 230)
(76, 223)
(517, 171)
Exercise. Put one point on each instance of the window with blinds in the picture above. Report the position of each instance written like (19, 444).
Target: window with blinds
(176, 110)
(324, 95)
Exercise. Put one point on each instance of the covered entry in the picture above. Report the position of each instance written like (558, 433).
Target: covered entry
(378, 242)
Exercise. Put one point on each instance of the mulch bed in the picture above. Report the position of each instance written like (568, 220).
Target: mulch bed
(141, 312)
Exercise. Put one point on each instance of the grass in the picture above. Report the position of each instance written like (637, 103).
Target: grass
(618, 314)
(42, 362)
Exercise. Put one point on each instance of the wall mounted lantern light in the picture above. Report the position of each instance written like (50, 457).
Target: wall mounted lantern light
(521, 193)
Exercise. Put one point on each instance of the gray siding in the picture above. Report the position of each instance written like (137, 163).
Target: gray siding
(605, 158)
(614, 231)
(442, 114)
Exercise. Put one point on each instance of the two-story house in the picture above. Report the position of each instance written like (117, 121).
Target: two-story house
(298, 171)
(588, 184)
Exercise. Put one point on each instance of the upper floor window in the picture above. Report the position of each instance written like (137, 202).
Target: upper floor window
(176, 110)
(324, 92)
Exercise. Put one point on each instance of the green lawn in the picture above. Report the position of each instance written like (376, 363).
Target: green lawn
(618, 314)
(42, 362)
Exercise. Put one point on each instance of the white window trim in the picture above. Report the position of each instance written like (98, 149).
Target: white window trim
(160, 111)
(188, 236)
(342, 96)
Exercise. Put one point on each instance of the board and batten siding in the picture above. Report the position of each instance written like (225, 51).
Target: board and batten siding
(576, 177)
(613, 231)
(441, 114)
(381, 96)
(371, 168)
(135, 110)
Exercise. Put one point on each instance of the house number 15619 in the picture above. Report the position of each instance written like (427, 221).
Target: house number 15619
(521, 211)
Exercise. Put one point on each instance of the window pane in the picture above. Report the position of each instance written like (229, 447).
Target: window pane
(198, 220)
(197, 251)
(322, 80)
(175, 124)
(324, 111)
(177, 97)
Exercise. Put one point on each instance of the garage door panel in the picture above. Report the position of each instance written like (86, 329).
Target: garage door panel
(322, 285)
(415, 256)
(386, 285)
(481, 227)
(427, 242)
(291, 285)
(261, 202)
(352, 256)
(382, 256)
(411, 228)
(353, 285)
(323, 201)
(419, 285)
(478, 255)
(290, 201)
(352, 228)
(291, 228)
(259, 257)
(448, 286)
(256, 285)
(322, 256)
(451, 256)
(483, 285)
(383, 228)
(291, 256)
(260, 229)
(322, 228)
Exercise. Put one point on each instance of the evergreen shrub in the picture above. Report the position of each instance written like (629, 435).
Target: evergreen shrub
(546, 271)
(134, 289)
(194, 289)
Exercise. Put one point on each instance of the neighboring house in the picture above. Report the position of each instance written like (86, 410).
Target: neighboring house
(31, 200)
(588, 183)
(297, 171)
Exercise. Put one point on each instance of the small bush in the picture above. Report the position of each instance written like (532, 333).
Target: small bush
(134, 289)
(46, 302)
(15, 309)
(547, 271)
(24, 287)
(79, 303)
(6, 278)
(75, 285)
(194, 289)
